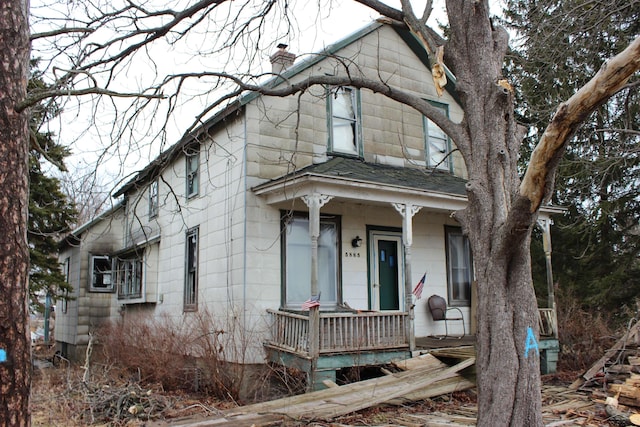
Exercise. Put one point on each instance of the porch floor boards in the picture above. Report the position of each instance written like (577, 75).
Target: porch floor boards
(430, 343)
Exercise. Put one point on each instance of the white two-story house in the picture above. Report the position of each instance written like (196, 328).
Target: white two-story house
(337, 192)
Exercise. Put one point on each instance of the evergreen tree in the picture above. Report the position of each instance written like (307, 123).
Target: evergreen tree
(564, 42)
(50, 212)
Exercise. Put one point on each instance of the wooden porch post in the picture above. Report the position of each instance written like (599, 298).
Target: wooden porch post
(314, 202)
(407, 212)
(545, 225)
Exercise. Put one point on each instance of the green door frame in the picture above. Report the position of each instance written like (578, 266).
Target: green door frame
(386, 269)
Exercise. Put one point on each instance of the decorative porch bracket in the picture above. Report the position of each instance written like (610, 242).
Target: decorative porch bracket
(314, 202)
(408, 211)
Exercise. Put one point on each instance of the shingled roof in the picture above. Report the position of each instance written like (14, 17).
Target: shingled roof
(409, 177)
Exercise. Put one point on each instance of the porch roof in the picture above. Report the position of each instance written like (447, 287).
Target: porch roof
(355, 180)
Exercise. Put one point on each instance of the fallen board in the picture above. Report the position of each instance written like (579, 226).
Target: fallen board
(336, 401)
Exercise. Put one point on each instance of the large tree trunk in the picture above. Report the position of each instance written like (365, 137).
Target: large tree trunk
(15, 343)
(498, 222)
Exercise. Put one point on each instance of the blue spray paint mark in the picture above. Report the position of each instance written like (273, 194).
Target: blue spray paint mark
(531, 343)
(3, 355)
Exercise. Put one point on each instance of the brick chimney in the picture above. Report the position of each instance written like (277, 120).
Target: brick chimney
(281, 60)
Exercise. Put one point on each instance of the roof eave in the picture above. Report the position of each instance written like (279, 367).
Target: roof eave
(284, 190)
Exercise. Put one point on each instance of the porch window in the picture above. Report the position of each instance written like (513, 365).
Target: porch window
(100, 274)
(438, 146)
(297, 261)
(345, 133)
(459, 267)
(128, 275)
(191, 271)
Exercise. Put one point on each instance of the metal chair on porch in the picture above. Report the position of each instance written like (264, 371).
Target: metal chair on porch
(440, 312)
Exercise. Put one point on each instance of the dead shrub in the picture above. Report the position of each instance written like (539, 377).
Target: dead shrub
(584, 335)
(192, 354)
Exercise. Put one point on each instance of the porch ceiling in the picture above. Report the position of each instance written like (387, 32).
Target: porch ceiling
(354, 180)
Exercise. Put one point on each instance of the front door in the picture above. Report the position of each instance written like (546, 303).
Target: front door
(386, 271)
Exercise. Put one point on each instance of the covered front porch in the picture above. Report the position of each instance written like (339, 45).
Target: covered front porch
(381, 204)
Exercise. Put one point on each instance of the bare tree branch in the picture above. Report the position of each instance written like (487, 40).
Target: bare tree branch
(60, 31)
(35, 98)
(611, 78)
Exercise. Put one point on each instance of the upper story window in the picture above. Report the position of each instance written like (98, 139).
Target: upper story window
(345, 130)
(66, 271)
(459, 267)
(438, 146)
(191, 271)
(153, 199)
(128, 275)
(100, 280)
(193, 172)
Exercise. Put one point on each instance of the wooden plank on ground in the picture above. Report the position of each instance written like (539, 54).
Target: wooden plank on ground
(627, 339)
(333, 402)
(361, 398)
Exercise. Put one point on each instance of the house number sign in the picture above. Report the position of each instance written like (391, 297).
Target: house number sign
(352, 255)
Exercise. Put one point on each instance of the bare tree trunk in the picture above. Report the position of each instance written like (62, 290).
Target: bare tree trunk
(498, 222)
(508, 358)
(15, 348)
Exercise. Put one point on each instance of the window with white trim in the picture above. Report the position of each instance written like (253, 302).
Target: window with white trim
(191, 271)
(193, 172)
(128, 272)
(297, 261)
(101, 274)
(438, 145)
(153, 199)
(345, 130)
(459, 267)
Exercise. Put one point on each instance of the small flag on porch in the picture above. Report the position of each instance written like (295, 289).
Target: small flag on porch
(417, 291)
(314, 301)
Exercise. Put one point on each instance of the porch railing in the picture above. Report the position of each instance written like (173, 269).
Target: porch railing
(548, 323)
(340, 332)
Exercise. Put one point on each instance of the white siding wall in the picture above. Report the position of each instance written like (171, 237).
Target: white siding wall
(89, 309)
(392, 132)
(239, 235)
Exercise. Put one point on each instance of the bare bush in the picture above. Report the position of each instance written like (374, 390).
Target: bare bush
(201, 353)
(584, 335)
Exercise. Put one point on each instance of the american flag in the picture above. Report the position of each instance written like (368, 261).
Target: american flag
(314, 301)
(417, 291)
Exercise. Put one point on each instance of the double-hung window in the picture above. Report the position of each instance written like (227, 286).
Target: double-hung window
(66, 271)
(153, 199)
(297, 261)
(438, 145)
(193, 172)
(101, 274)
(191, 271)
(345, 132)
(459, 267)
(128, 273)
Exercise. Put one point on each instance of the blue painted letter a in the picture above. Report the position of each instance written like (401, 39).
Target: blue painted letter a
(531, 343)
